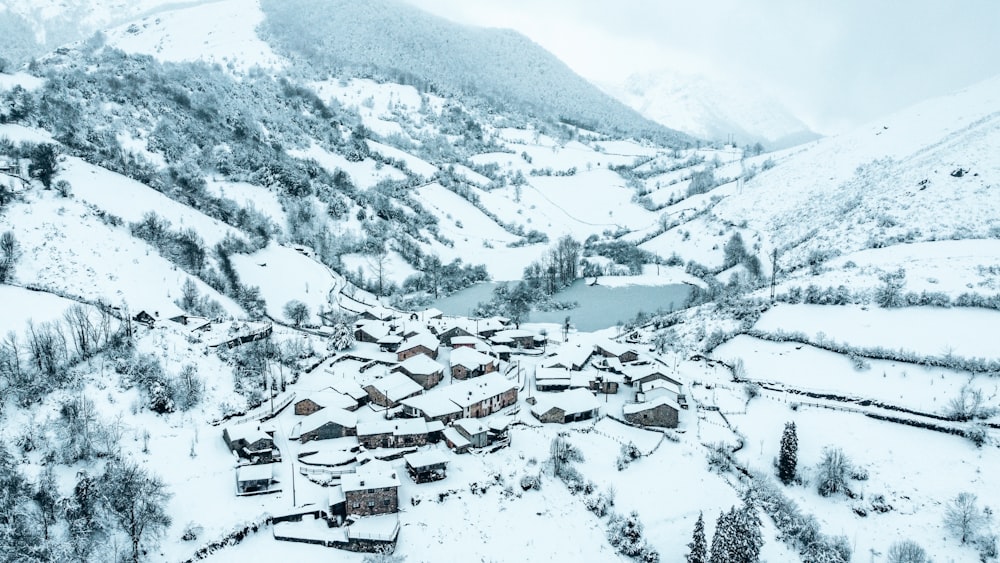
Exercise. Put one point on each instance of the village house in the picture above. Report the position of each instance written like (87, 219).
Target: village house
(144, 318)
(388, 390)
(567, 406)
(456, 441)
(396, 433)
(254, 479)
(517, 338)
(389, 343)
(661, 411)
(470, 342)
(426, 466)
(483, 396)
(420, 343)
(639, 375)
(432, 406)
(473, 430)
(569, 357)
(250, 442)
(328, 423)
(622, 352)
(448, 336)
(488, 327)
(370, 492)
(421, 369)
(605, 382)
(322, 399)
(552, 378)
(467, 362)
(371, 331)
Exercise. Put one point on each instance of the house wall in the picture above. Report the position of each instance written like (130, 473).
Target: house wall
(662, 415)
(419, 349)
(372, 441)
(446, 336)
(425, 381)
(491, 405)
(328, 431)
(460, 372)
(554, 414)
(306, 407)
(477, 440)
(369, 502)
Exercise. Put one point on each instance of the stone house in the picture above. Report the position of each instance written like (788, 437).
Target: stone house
(662, 411)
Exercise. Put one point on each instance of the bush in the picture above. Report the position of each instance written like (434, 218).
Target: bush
(600, 504)
(531, 481)
(833, 472)
(625, 535)
(907, 551)
(627, 454)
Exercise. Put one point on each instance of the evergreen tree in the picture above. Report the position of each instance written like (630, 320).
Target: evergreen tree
(722, 539)
(698, 550)
(747, 538)
(788, 457)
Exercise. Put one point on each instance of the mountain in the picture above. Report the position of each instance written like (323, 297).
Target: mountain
(711, 109)
(400, 42)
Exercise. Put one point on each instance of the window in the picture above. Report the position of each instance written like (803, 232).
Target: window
(371, 503)
(356, 505)
(385, 502)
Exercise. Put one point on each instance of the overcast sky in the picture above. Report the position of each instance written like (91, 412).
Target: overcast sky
(834, 64)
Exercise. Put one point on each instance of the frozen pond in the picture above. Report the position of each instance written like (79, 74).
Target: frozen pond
(599, 306)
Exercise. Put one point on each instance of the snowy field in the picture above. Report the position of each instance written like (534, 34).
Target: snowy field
(960, 331)
(283, 274)
(21, 306)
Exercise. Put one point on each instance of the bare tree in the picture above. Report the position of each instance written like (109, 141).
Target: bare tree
(297, 311)
(137, 502)
(907, 551)
(10, 252)
(964, 518)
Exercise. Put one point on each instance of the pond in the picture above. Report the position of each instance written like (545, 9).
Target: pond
(599, 306)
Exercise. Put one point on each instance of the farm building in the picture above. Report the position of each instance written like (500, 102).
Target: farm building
(328, 423)
(622, 352)
(661, 411)
(371, 331)
(448, 336)
(517, 338)
(423, 370)
(573, 358)
(254, 479)
(250, 442)
(467, 362)
(567, 406)
(350, 388)
(322, 399)
(426, 466)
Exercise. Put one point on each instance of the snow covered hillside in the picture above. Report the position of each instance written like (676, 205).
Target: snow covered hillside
(223, 254)
(711, 109)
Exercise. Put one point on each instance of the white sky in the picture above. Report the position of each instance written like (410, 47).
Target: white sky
(834, 64)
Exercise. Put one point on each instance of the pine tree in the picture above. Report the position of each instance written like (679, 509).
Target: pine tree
(722, 539)
(698, 550)
(788, 457)
(747, 538)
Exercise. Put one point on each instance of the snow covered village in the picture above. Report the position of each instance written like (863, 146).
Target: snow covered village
(429, 280)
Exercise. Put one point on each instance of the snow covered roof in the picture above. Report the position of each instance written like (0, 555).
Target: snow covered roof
(336, 496)
(425, 339)
(469, 358)
(664, 399)
(514, 333)
(435, 426)
(574, 401)
(350, 388)
(433, 404)
(470, 425)
(390, 339)
(395, 386)
(323, 416)
(672, 386)
(249, 431)
(615, 348)
(546, 373)
(352, 482)
(456, 438)
(465, 340)
(431, 313)
(425, 458)
(330, 398)
(472, 391)
(375, 329)
(396, 427)
(421, 365)
(254, 472)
